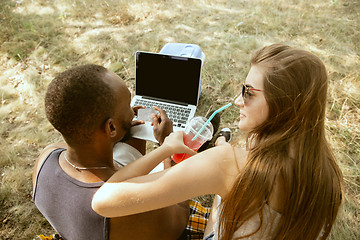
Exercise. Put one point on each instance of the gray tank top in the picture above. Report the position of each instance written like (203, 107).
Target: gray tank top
(66, 202)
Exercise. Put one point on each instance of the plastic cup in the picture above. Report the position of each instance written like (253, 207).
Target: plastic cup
(193, 126)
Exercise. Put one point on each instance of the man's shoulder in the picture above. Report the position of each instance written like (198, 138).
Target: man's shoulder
(43, 155)
(47, 150)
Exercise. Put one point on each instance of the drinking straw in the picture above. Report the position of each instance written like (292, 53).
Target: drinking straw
(210, 118)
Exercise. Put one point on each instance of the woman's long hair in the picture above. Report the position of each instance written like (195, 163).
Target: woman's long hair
(290, 145)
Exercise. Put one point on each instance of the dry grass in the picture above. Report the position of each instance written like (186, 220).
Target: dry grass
(40, 38)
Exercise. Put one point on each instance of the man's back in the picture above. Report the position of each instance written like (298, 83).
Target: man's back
(66, 204)
(161, 224)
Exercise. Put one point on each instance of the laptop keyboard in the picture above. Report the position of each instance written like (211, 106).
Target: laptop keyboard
(177, 114)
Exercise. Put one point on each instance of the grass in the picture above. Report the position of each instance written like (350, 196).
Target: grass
(41, 38)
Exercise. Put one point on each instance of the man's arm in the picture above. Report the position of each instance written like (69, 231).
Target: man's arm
(163, 126)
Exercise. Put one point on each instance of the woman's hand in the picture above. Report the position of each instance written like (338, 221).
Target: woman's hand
(176, 143)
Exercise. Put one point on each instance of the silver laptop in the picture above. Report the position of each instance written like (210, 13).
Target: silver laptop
(170, 82)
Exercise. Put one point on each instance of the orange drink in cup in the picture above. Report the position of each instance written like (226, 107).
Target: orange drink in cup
(191, 130)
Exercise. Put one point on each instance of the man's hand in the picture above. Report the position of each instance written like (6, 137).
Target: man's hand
(163, 126)
(137, 122)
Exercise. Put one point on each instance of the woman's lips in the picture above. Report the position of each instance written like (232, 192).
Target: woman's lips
(242, 115)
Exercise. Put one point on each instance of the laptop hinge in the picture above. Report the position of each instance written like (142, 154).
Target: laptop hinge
(164, 100)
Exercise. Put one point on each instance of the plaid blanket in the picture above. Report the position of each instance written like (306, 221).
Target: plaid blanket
(199, 216)
(51, 237)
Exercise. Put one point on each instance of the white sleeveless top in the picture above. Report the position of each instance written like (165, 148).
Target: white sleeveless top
(270, 220)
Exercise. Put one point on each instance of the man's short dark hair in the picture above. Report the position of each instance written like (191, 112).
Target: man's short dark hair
(78, 102)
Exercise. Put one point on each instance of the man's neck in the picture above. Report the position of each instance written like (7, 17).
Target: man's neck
(90, 156)
(88, 162)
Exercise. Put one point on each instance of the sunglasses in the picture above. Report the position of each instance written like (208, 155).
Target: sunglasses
(246, 91)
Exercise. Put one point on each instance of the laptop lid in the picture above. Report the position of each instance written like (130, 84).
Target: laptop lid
(166, 77)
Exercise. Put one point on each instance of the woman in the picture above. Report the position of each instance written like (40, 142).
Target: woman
(285, 185)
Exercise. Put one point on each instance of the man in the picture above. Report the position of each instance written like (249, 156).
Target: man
(90, 107)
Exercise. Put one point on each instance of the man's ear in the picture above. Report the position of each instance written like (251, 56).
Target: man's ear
(110, 128)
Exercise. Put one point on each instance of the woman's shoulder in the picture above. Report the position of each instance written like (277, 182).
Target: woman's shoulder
(229, 160)
(229, 152)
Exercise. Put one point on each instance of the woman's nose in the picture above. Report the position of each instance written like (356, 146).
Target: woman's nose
(239, 101)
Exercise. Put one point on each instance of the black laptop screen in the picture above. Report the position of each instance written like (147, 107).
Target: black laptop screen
(168, 77)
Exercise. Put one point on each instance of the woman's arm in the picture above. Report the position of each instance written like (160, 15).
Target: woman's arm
(146, 163)
(209, 172)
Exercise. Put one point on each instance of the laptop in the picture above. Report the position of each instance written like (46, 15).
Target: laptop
(170, 82)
